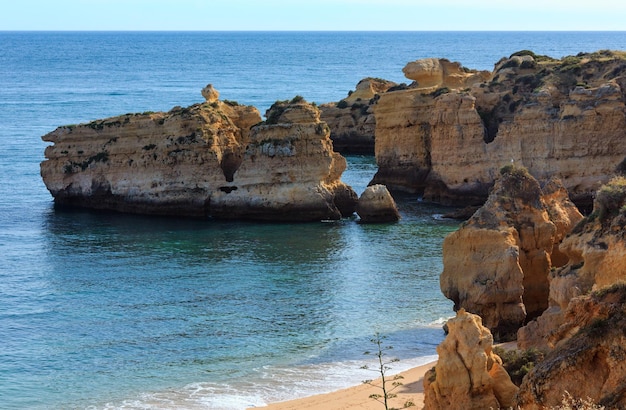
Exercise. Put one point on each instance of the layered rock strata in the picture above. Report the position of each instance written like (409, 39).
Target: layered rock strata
(351, 120)
(497, 264)
(596, 250)
(446, 136)
(468, 375)
(206, 160)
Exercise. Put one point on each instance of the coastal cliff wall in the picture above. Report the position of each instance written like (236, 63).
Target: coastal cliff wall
(351, 120)
(213, 159)
(497, 264)
(596, 253)
(446, 136)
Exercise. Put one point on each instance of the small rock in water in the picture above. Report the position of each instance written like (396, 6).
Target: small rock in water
(376, 205)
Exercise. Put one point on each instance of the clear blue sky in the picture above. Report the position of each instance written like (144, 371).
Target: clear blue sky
(313, 15)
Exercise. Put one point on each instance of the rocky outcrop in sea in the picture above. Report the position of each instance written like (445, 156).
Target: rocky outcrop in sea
(446, 135)
(214, 159)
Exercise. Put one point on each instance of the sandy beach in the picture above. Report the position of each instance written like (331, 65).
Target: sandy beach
(357, 397)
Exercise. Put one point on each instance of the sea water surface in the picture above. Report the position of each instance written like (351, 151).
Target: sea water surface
(103, 310)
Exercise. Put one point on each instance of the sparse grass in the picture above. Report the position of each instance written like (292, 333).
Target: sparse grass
(571, 403)
(611, 198)
(519, 362)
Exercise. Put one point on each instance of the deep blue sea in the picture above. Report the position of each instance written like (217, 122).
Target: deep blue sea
(108, 311)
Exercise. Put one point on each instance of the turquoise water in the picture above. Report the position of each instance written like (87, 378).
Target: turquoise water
(101, 310)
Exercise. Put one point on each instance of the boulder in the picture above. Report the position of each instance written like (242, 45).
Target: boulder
(376, 205)
(210, 94)
(468, 375)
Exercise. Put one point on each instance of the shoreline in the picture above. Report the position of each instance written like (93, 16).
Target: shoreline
(357, 397)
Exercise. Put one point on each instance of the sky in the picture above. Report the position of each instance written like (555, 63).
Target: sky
(350, 15)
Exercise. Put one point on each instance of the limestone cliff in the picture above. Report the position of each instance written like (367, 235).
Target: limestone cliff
(468, 374)
(596, 251)
(591, 362)
(351, 120)
(201, 161)
(497, 264)
(447, 138)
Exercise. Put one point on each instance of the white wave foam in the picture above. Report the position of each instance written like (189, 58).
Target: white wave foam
(269, 384)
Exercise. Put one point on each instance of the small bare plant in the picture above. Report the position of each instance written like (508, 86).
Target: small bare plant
(387, 385)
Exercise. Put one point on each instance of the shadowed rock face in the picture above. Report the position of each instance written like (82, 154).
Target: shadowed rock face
(206, 160)
(497, 264)
(447, 137)
(351, 120)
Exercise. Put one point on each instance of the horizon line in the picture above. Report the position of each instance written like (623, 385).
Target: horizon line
(301, 31)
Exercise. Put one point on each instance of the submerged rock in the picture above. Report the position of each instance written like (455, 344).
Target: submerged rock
(214, 159)
(376, 205)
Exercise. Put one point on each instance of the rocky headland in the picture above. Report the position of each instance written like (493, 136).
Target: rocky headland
(446, 135)
(529, 264)
(214, 159)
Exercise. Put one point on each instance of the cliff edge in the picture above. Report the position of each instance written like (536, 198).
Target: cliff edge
(447, 134)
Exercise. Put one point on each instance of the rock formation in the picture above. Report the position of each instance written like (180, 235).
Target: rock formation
(433, 73)
(596, 251)
(591, 361)
(497, 264)
(468, 375)
(446, 136)
(376, 205)
(352, 121)
(202, 161)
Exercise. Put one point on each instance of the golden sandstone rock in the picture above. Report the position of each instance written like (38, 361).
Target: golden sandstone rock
(591, 361)
(377, 205)
(497, 264)
(352, 121)
(468, 375)
(596, 251)
(206, 160)
(447, 139)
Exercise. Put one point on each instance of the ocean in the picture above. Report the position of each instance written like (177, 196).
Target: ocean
(110, 311)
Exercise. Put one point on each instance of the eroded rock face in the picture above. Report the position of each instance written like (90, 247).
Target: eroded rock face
(497, 264)
(591, 361)
(206, 160)
(433, 73)
(376, 205)
(351, 120)
(468, 375)
(448, 139)
(596, 251)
